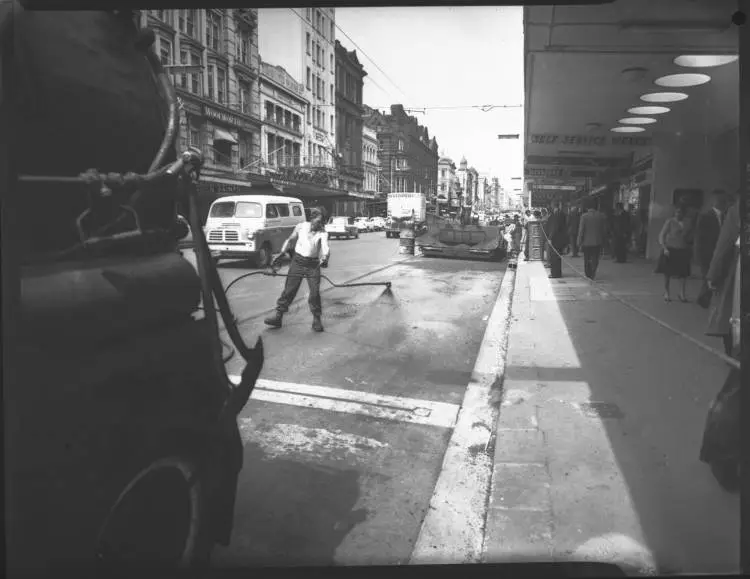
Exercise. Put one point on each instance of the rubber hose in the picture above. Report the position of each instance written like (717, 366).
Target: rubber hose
(168, 93)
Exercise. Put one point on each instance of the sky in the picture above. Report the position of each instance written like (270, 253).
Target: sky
(425, 57)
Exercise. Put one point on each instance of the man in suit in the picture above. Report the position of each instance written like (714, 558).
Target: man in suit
(707, 231)
(573, 220)
(592, 233)
(557, 233)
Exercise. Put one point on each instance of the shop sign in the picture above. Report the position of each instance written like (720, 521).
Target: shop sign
(211, 188)
(225, 117)
(588, 141)
(543, 172)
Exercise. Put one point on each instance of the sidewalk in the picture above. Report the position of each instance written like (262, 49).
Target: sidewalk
(600, 426)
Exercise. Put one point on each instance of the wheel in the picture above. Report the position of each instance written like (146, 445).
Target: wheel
(264, 256)
(158, 519)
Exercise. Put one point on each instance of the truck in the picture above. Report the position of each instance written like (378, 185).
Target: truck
(405, 209)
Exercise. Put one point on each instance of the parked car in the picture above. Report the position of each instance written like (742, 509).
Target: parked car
(363, 224)
(377, 223)
(342, 227)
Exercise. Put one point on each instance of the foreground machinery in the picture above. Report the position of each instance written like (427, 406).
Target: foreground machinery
(459, 239)
(122, 445)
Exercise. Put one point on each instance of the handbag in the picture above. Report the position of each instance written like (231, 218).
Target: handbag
(661, 264)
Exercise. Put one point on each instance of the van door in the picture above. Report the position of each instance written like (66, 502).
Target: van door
(273, 227)
(285, 225)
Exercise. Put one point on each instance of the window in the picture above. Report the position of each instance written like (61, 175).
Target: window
(223, 153)
(271, 212)
(195, 78)
(243, 47)
(400, 144)
(333, 95)
(165, 51)
(221, 81)
(332, 65)
(309, 76)
(245, 209)
(309, 14)
(186, 22)
(195, 137)
(442, 173)
(183, 60)
(282, 210)
(317, 53)
(309, 115)
(332, 125)
(210, 84)
(245, 97)
(296, 211)
(246, 149)
(307, 42)
(213, 30)
(222, 209)
(323, 26)
(333, 31)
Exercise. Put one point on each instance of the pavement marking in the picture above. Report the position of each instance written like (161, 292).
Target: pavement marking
(453, 530)
(312, 443)
(396, 408)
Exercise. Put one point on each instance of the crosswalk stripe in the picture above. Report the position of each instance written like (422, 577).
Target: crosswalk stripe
(396, 408)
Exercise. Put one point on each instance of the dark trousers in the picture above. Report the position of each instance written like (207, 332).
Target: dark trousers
(621, 248)
(302, 267)
(574, 244)
(555, 261)
(591, 256)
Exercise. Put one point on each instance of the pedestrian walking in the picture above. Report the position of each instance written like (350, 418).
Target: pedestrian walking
(309, 241)
(556, 230)
(674, 260)
(707, 232)
(516, 234)
(721, 277)
(621, 231)
(573, 220)
(592, 234)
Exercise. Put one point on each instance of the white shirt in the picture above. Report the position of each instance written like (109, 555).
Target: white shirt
(311, 243)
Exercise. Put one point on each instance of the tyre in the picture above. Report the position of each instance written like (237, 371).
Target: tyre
(158, 520)
(264, 256)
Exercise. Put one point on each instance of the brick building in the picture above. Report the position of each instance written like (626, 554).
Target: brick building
(350, 76)
(408, 156)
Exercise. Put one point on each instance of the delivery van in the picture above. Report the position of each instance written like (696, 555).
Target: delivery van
(251, 226)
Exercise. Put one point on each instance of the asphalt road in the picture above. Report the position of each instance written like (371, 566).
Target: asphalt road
(346, 433)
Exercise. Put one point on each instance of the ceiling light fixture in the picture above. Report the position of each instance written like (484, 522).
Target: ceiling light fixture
(636, 121)
(648, 110)
(627, 129)
(704, 60)
(682, 80)
(664, 97)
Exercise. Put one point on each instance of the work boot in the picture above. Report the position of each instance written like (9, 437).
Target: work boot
(275, 320)
(317, 325)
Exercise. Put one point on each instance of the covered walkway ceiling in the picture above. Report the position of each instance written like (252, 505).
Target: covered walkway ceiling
(587, 65)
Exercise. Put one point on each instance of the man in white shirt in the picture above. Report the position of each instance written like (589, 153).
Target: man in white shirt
(311, 252)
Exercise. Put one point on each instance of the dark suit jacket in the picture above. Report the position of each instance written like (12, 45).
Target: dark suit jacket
(706, 236)
(557, 230)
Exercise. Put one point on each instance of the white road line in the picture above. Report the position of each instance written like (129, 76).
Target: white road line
(453, 530)
(427, 412)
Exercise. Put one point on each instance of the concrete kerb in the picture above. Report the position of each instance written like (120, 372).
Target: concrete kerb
(454, 528)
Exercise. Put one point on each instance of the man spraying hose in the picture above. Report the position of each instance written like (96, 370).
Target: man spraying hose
(311, 252)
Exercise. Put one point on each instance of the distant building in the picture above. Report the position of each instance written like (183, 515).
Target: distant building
(219, 103)
(448, 185)
(350, 75)
(284, 115)
(370, 160)
(408, 156)
(301, 40)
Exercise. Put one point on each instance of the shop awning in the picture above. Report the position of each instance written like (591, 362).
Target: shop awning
(222, 135)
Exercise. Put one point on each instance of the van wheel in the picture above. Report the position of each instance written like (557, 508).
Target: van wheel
(264, 256)
(158, 519)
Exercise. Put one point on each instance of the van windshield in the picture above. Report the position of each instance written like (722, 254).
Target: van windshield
(226, 209)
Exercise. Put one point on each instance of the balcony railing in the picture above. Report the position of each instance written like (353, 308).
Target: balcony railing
(271, 120)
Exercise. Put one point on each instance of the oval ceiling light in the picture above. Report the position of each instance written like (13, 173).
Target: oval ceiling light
(664, 97)
(648, 110)
(682, 80)
(627, 129)
(636, 121)
(704, 60)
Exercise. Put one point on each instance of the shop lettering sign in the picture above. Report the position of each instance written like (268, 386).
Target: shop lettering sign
(588, 141)
(540, 172)
(208, 187)
(225, 117)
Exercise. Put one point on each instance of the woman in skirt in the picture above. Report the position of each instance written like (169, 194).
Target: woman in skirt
(675, 253)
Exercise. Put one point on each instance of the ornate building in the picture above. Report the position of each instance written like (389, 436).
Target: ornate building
(349, 83)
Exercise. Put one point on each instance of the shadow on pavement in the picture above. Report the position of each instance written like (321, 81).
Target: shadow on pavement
(290, 513)
(655, 389)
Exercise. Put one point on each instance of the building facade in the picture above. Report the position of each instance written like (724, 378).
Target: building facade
(219, 100)
(408, 157)
(302, 41)
(447, 184)
(370, 160)
(349, 83)
(284, 117)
